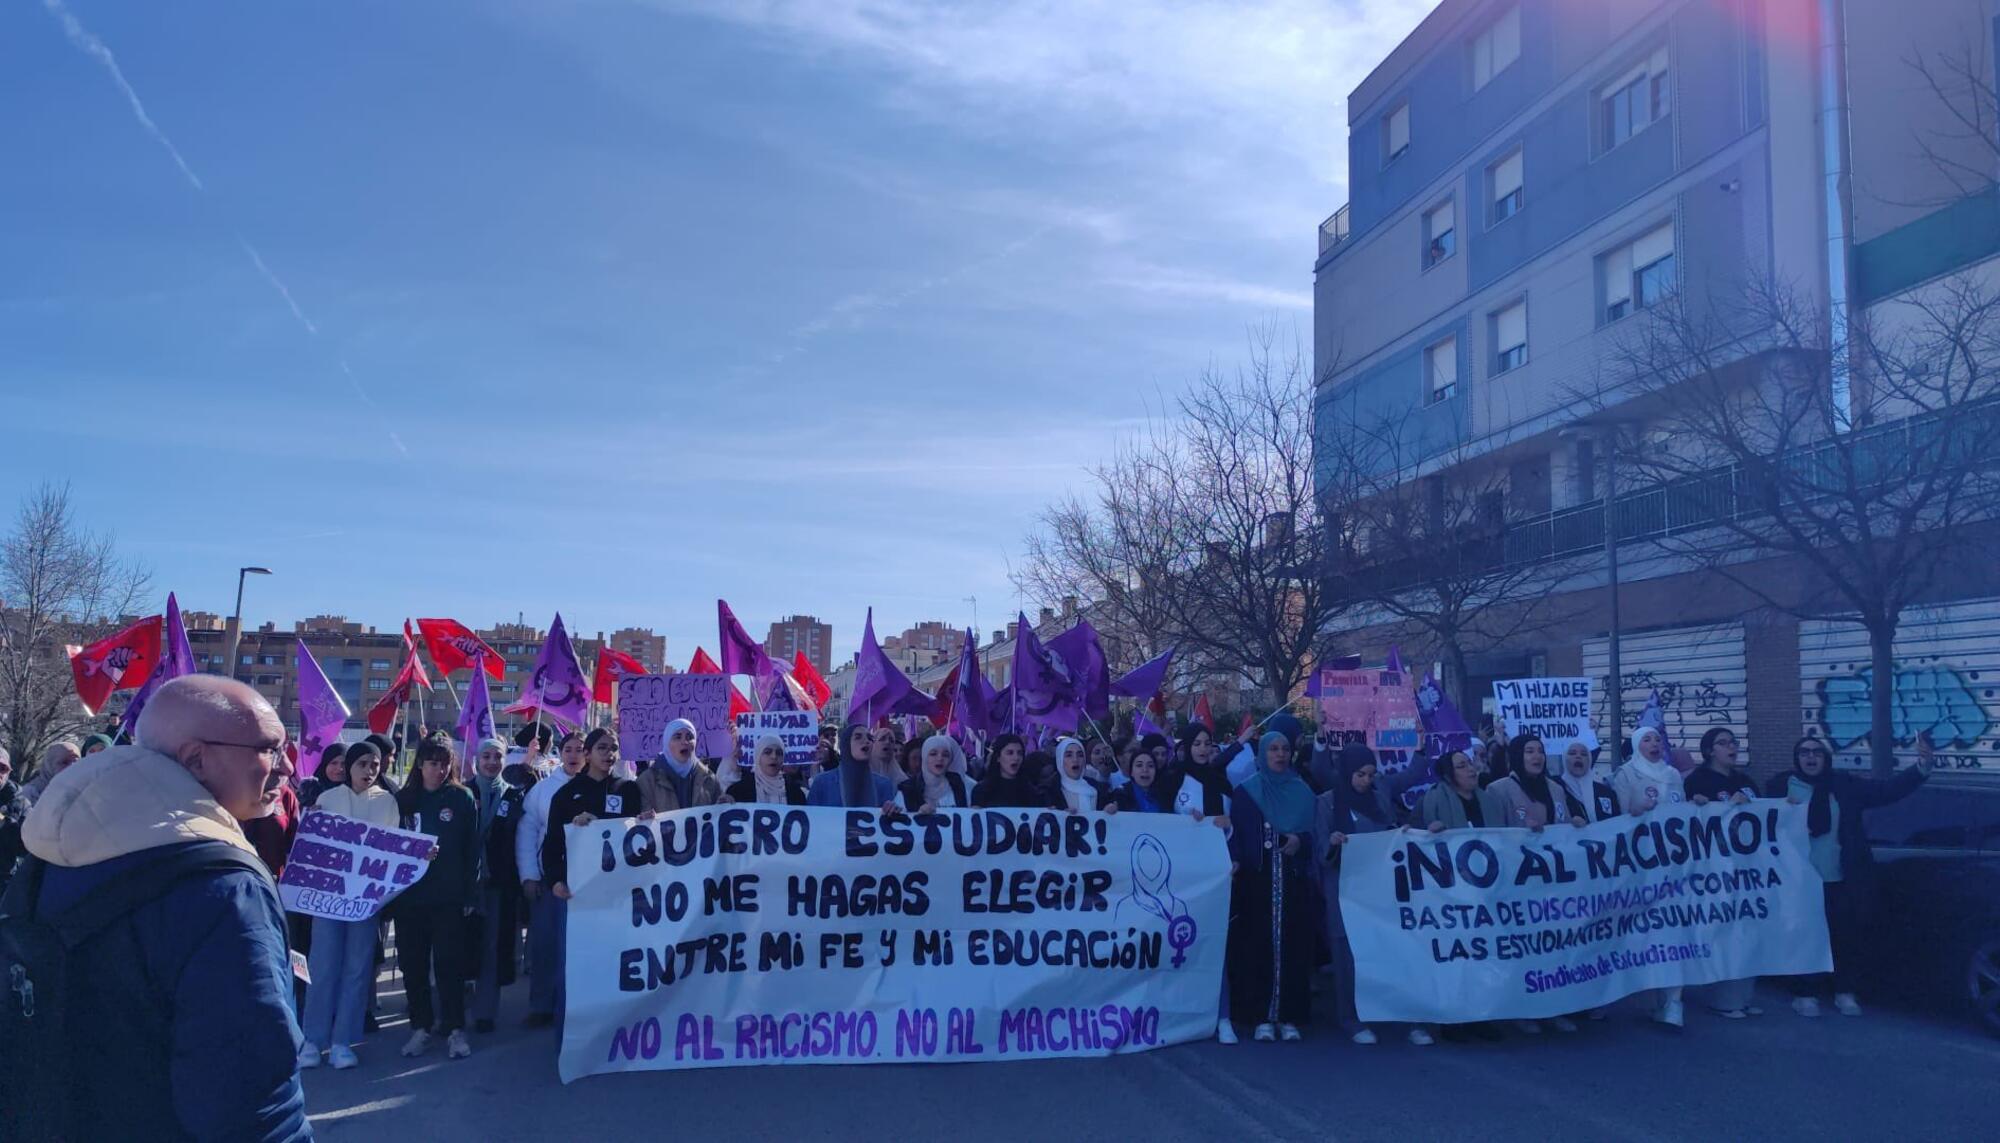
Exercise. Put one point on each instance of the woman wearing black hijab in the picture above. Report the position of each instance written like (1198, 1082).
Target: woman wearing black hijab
(1838, 848)
(1355, 804)
(1532, 800)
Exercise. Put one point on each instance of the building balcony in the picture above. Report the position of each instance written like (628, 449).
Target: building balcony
(1333, 231)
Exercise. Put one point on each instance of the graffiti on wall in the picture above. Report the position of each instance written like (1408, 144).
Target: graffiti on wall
(1951, 702)
(1700, 703)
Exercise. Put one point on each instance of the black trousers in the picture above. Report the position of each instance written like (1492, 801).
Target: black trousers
(1260, 966)
(1849, 905)
(430, 942)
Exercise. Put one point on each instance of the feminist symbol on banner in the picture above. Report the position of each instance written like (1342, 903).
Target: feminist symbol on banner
(1152, 890)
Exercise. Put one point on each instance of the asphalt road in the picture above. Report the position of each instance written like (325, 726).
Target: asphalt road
(1886, 1075)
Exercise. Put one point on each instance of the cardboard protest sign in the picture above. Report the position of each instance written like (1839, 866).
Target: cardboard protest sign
(1503, 924)
(799, 729)
(1375, 707)
(1555, 710)
(647, 703)
(731, 936)
(346, 870)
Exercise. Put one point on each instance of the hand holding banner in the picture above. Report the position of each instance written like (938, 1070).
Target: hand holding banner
(346, 870)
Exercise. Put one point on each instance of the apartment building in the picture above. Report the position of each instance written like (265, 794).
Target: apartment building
(794, 634)
(1527, 179)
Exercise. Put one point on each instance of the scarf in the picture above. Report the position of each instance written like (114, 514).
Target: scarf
(1143, 798)
(1283, 796)
(1578, 793)
(1078, 792)
(857, 781)
(487, 792)
(770, 789)
(1661, 773)
(1348, 802)
(1819, 812)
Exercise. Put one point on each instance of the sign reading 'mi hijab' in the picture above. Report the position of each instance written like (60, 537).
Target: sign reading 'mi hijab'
(728, 936)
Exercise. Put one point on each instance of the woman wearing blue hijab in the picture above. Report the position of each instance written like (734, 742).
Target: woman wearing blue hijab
(1271, 940)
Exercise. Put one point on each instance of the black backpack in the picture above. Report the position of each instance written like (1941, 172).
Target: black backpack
(36, 1053)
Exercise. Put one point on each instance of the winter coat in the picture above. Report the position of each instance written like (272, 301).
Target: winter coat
(825, 790)
(911, 793)
(1127, 800)
(210, 953)
(997, 792)
(376, 807)
(499, 866)
(448, 814)
(657, 792)
(1706, 783)
(1855, 794)
(534, 827)
(1442, 804)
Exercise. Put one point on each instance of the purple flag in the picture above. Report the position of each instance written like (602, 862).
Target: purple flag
(557, 687)
(475, 720)
(1142, 726)
(1444, 727)
(1081, 652)
(1043, 684)
(880, 689)
(776, 689)
(1395, 664)
(176, 659)
(972, 707)
(1143, 682)
(322, 712)
(1653, 715)
(741, 655)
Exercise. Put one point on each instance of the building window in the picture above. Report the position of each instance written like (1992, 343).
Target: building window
(1510, 337)
(1504, 181)
(378, 664)
(378, 684)
(1634, 101)
(1396, 134)
(1441, 371)
(267, 680)
(1496, 47)
(1640, 274)
(350, 666)
(1586, 471)
(1440, 233)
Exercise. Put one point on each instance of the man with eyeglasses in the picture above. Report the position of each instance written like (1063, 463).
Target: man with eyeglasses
(175, 1008)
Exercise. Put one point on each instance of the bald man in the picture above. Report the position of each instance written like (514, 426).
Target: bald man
(181, 1017)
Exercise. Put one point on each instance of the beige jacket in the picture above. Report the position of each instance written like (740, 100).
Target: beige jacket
(122, 800)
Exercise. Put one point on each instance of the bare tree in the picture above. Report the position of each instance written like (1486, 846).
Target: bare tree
(59, 584)
(1204, 532)
(1867, 462)
(1422, 528)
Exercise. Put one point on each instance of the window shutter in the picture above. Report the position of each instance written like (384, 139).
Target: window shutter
(1441, 220)
(1507, 176)
(1618, 276)
(1444, 363)
(1654, 246)
(1511, 327)
(1507, 39)
(1399, 129)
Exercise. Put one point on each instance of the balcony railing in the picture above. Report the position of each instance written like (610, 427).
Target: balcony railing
(1333, 231)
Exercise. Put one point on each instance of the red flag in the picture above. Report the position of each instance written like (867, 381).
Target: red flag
(1248, 722)
(382, 715)
(808, 677)
(453, 645)
(1202, 714)
(701, 664)
(410, 648)
(611, 666)
(737, 703)
(941, 713)
(122, 662)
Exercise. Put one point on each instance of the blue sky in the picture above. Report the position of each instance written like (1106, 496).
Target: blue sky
(477, 309)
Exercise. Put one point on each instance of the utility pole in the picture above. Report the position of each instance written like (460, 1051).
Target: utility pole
(1617, 684)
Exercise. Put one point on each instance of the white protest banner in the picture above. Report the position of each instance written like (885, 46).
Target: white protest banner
(1507, 924)
(347, 870)
(647, 703)
(798, 728)
(727, 936)
(1555, 710)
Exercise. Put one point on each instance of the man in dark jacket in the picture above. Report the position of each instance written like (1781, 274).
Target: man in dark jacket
(186, 1030)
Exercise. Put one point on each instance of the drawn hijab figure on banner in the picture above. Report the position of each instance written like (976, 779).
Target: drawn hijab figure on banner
(1153, 893)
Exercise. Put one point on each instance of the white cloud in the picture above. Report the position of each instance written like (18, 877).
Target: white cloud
(1167, 281)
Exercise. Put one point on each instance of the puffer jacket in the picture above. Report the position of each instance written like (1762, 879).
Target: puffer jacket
(210, 953)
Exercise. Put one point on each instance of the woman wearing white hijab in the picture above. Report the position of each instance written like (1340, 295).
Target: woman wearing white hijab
(678, 780)
(1074, 790)
(941, 782)
(1581, 787)
(767, 781)
(1646, 782)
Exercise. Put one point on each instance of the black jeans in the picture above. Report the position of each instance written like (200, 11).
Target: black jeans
(1849, 905)
(430, 940)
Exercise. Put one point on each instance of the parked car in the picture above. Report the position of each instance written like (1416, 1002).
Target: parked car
(1939, 908)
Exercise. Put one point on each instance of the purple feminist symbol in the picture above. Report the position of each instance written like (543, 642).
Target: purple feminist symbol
(1152, 890)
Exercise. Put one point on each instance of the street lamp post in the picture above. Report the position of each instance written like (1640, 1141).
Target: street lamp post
(1617, 683)
(236, 620)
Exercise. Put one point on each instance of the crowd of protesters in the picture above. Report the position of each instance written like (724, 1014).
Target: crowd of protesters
(493, 904)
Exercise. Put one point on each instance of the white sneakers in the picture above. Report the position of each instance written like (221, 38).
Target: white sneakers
(1420, 1038)
(309, 1055)
(1846, 1004)
(455, 1045)
(1669, 1013)
(1562, 1023)
(419, 1043)
(1365, 1036)
(1806, 1005)
(343, 1058)
(1528, 1027)
(1289, 1033)
(1265, 1033)
(1225, 1031)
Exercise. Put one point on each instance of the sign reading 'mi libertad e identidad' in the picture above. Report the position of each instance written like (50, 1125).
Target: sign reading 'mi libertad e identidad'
(736, 935)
